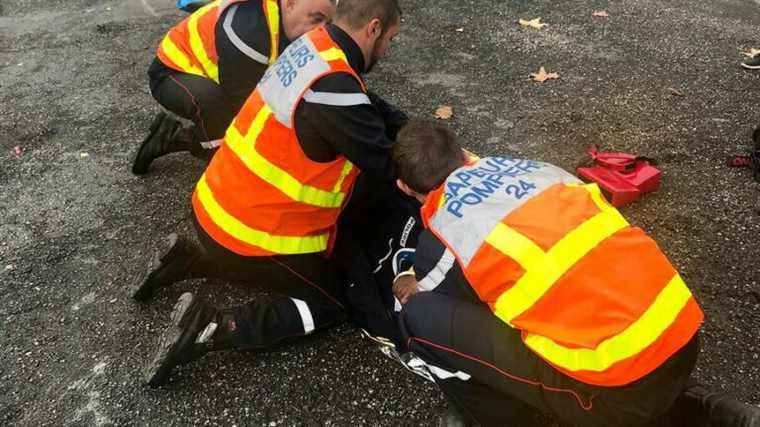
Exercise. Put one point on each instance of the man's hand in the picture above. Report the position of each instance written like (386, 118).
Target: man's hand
(404, 287)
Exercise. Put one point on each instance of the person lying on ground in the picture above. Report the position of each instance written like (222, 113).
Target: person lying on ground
(267, 211)
(531, 293)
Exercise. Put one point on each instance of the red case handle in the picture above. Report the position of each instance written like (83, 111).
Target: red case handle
(616, 161)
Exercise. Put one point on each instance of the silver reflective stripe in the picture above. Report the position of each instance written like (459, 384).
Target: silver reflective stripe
(481, 195)
(303, 310)
(240, 44)
(416, 364)
(210, 145)
(383, 259)
(207, 333)
(287, 79)
(337, 99)
(438, 273)
(444, 374)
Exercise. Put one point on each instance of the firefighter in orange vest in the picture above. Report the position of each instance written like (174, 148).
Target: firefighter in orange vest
(545, 298)
(209, 63)
(267, 207)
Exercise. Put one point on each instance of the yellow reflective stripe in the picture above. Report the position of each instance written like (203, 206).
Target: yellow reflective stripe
(251, 236)
(631, 341)
(520, 248)
(196, 43)
(596, 196)
(245, 149)
(470, 155)
(347, 168)
(441, 201)
(542, 269)
(179, 58)
(273, 19)
(333, 54)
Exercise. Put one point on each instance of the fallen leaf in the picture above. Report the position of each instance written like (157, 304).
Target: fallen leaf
(752, 53)
(533, 23)
(84, 155)
(444, 112)
(459, 30)
(17, 150)
(601, 14)
(542, 76)
(675, 91)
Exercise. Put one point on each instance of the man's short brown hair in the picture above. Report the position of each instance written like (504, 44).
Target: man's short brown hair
(357, 13)
(425, 154)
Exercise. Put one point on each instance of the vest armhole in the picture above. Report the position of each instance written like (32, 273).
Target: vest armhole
(239, 44)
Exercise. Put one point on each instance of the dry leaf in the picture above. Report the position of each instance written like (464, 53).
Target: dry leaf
(444, 112)
(459, 30)
(752, 53)
(675, 91)
(601, 14)
(533, 23)
(542, 76)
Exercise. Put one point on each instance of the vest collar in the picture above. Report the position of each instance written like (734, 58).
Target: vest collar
(348, 46)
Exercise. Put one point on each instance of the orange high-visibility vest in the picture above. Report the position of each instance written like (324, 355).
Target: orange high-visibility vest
(261, 194)
(190, 46)
(592, 295)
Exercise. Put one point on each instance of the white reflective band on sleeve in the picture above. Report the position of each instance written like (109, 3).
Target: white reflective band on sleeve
(444, 374)
(207, 333)
(240, 44)
(210, 145)
(438, 273)
(383, 259)
(303, 310)
(337, 99)
(415, 363)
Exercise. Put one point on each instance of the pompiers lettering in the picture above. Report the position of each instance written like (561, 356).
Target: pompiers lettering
(473, 185)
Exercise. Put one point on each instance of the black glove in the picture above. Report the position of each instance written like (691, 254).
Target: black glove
(394, 118)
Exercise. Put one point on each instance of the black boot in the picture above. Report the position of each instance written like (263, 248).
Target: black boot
(196, 328)
(167, 268)
(698, 406)
(161, 140)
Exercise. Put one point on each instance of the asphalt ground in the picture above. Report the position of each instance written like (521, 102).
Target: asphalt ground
(657, 77)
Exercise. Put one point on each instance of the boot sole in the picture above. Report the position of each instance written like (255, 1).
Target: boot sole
(158, 371)
(144, 287)
(751, 67)
(155, 126)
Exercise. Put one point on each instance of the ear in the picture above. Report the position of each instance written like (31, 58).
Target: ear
(374, 29)
(405, 188)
